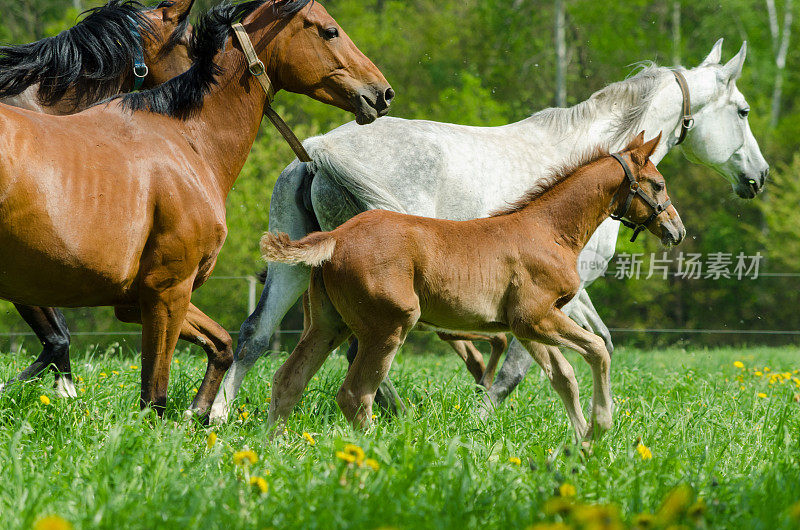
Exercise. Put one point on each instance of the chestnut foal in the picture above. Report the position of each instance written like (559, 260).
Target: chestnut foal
(381, 272)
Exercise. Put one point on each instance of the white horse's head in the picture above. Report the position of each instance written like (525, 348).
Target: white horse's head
(721, 137)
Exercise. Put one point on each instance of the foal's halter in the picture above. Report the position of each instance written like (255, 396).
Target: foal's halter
(635, 189)
(687, 121)
(258, 70)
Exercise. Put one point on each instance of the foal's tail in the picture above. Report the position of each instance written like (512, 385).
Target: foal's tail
(312, 250)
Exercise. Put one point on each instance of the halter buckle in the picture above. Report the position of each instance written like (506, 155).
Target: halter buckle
(257, 68)
(140, 70)
(634, 186)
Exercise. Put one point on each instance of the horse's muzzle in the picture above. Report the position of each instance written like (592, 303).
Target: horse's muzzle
(373, 102)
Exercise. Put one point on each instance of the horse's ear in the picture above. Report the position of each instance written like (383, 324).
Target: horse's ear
(715, 56)
(637, 141)
(176, 11)
(645, 151)
(733, 68)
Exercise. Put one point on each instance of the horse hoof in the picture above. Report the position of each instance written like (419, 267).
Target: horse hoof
(218, 416)
(65, 388)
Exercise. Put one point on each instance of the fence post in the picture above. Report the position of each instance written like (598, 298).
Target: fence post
(251, 294)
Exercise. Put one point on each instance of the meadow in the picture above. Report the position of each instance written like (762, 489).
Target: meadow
(702, 439)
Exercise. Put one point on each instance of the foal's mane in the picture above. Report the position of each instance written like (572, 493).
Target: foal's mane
(90, 57)
(632, 96)
(547, 183)
(182, 96)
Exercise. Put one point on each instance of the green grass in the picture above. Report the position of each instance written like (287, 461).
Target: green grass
(98, 463)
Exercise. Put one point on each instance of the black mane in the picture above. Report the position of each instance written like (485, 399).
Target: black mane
(90, 57)
(182, 96)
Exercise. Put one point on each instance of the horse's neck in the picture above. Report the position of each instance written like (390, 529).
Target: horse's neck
(29, 100)
(574, 207)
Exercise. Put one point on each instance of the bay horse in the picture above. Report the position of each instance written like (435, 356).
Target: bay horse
(99, 57)
(427, 168)
(381, 272)
(124, 204)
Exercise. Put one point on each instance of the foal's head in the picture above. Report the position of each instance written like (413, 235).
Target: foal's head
(667, 225)
(314, 56)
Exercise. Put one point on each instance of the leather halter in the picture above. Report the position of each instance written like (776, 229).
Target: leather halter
(140, 69)
(687, 121)
(256, 67)
(635, 189)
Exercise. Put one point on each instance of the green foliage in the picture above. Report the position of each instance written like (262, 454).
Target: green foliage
(721, 456)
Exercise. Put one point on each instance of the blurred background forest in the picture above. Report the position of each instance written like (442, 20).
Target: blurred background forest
(490, 62)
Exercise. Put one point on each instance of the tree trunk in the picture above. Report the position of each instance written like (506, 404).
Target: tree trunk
(676, 32)
(780, 48)
(561, 54)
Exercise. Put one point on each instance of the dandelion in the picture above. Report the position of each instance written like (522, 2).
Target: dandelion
(758, 374)
(347, 457)
(372, 463)
(558, 506)
(259, 484)
(738, 364)
(309, 439)
(245, 457)
(103, 375)
(514, 460)
(134, 367)
(82, 390)
(52, 522)
(644, 451)
(356, 451)
(567, 490)
(766, 368)
(762, 395)
(244, 415)
(44, 399)
(644, 520)
(675, 503)
(211, 440)
(114, 372)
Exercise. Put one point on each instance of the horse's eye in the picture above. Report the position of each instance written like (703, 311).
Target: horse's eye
(330, 33)
(658, 186)
(744, 112)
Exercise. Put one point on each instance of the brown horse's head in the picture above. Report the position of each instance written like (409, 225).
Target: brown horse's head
(312, 55)
(667, 225)
(166, 45)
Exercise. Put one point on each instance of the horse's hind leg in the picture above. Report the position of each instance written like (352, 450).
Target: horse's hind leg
(562, 379)
(499, 344)
(50, 328)
(471, 356)
(386, 396)
(323, 332)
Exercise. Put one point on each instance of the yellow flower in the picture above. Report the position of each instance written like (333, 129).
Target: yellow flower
(372, 463)
(308, 438)
(515, 460)
(44, 399)
(675, 503)
(114, 372)
(243, 415)
(644, 520)
(567, 490)
(103, 375)
(356, 451)
(644, 451)
(762, 395)
(52, 522)
(82, 390)
(347, 457)
(134, 367)
(796, 398)
(549, 526)
(558, 506)
(758, 374)
(259, 484)
(738, 364)
(245, 457)
(211, 440)
(766, 368)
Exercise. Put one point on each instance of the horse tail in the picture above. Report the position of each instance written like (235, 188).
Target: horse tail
(312, 250)
(350, 174)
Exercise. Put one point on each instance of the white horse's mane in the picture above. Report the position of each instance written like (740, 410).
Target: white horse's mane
(632, 96)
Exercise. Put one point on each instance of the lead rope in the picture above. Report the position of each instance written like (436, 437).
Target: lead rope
(256, 67)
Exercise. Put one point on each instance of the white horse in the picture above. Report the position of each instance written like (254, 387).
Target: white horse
(456, 172)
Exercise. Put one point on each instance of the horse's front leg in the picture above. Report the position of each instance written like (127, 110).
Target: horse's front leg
(162, 313)
(50, 328)
(557, 329)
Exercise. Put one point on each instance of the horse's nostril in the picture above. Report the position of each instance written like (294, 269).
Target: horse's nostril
(388, 95)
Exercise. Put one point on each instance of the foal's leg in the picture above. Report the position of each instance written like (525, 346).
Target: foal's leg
(323, 332)
(499, 343)
(558, 329)
(50, 328)
(562, 379)
(371, 366)
(162, 313)
(471, 356)
(386, 397)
